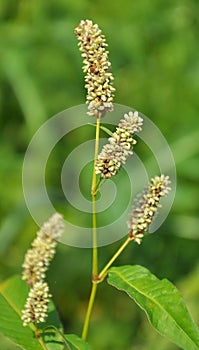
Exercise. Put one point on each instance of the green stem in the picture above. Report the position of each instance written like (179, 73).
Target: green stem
(89, 310)
(102, 274)
(94, 223)
(99, 279)
(99, 182)
(39, 338)
(93, 192)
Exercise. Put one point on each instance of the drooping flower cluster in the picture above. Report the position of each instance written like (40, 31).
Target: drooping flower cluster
(146, 207)
(120, 146)
(38, 257)
(97, 68)
(36, 306)
(35, 265)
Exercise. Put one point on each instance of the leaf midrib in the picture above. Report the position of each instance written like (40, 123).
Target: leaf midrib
(18, 312)
(155, 302)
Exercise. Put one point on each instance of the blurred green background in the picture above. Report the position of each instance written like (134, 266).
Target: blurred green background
(155, 60)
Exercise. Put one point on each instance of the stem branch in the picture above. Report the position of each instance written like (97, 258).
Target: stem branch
(102, 274)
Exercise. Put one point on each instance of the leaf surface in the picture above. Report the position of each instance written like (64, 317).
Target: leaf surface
(77, 343)
(160, 300)
(13, 294)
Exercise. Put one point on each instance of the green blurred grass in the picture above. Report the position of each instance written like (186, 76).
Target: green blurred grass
(155, 60)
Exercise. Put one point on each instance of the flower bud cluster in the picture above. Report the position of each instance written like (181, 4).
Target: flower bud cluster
(36, 307)
(146, 207)
(38, 257)
(35, 265)
(120, 146)
(98, 78)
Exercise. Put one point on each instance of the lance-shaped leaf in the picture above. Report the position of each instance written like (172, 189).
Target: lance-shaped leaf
(13, 293)
(76, 343)
(161, 301)
(109, 132)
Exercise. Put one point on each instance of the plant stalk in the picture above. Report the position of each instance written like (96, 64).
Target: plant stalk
(94, 225)
(93, 192)
(102, 274)
(89, 310)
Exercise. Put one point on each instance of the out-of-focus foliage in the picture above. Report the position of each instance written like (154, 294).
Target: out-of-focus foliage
(155, 60)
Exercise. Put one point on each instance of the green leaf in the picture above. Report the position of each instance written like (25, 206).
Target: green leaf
(161, 301)
(107, 131)
(77, 343)
(13, 294)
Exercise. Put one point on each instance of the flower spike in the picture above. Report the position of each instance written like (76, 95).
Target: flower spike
(35, 264)
(146, 207)
(97, 68)
(38, 257)
(120, 146)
